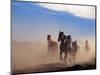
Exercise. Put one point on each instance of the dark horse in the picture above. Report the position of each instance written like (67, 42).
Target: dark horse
(65, 45)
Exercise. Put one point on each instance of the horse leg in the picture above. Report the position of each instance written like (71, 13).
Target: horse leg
(65, 57)
(70, 53)
(74, 56)
(61, 55)
(48, 51)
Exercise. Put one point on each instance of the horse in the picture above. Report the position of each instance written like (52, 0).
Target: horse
(65, 45)
(74, 50)
(87, 47)
(52, 45)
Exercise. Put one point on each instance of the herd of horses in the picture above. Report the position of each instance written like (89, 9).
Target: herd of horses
(67, 46)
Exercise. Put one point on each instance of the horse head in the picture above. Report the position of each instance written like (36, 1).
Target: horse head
(74, 43)
(48, 37)
(61, 34)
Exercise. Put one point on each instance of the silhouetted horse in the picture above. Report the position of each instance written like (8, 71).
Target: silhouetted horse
(52, 45)
(65, 45)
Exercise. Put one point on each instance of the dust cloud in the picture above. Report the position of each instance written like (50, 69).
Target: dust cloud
(30, 54)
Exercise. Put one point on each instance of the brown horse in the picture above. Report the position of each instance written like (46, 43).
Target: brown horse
(52, 46)
(74, 50)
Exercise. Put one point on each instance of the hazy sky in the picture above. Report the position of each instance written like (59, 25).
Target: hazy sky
(33, 21)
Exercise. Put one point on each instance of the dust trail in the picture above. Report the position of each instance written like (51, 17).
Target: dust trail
(31, 54)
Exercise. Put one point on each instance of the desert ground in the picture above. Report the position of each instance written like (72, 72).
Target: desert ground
(32, 57)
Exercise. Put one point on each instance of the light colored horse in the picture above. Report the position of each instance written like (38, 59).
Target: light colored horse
(87, 46)
(52, 46)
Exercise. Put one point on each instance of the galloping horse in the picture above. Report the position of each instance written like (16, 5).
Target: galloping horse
(52, 45)
(75, 47)
(65, 45)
